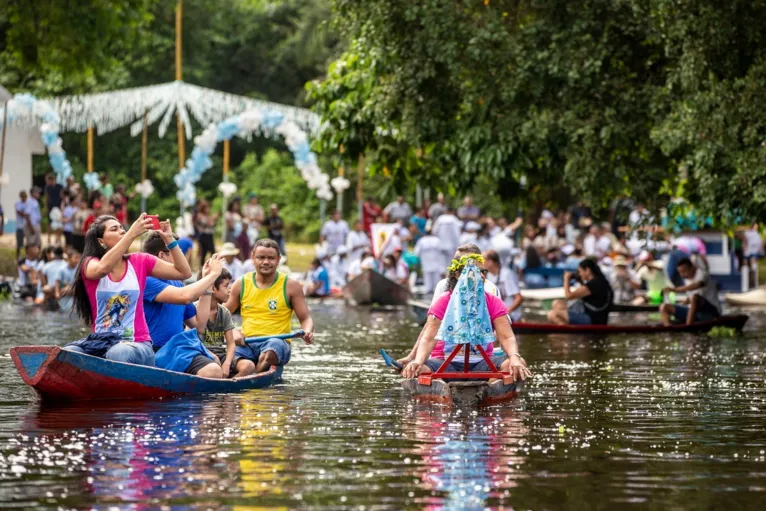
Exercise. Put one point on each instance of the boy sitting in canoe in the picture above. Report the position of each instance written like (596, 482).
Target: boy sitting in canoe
(468, 315)
(216, 328)
(268, 299)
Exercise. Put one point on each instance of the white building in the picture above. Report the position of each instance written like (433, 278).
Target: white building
(20, 144)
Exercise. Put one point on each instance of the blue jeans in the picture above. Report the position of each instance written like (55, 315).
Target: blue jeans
(253, 351)
(578, 318)
(705, 312)
(139, 353)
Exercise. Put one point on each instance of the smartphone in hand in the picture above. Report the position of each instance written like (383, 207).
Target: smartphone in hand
(155, 221)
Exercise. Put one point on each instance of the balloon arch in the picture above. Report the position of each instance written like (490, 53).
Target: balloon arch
(257, 120)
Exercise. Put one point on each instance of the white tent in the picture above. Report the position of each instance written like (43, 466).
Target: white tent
(111, 110)
(21, 141)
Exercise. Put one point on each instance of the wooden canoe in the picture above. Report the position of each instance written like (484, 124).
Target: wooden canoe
(463, 393)
(736, 322)
(62, 375)
(373, 288)
(751, 298)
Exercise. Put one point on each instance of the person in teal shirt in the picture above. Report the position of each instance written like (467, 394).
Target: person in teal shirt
(419, 219)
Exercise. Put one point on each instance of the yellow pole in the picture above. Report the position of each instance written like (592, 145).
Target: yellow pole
(179, 74)
(226, 148)
(144, 146)
(90, 148)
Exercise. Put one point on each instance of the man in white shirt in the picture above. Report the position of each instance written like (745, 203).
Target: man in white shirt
(33, 218)
(432, 260)
(339, 267)
(507, 283)
(703, 304)
(397, 210)
(448, 229)
(357, 242)
(229, 251)
(334, 232)
(595, 243)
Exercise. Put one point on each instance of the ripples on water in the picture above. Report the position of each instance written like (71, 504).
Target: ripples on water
(663, 422)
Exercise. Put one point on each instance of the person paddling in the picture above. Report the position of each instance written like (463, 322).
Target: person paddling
(448, 323)
(268, 299)
(109, 285)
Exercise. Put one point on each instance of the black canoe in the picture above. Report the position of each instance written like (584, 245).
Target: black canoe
(373, 288)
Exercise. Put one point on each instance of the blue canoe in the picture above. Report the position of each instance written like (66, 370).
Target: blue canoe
(62, 375)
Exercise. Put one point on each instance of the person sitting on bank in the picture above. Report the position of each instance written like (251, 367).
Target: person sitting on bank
(268, 299)
(318, 284)
(594, 298)
(466, 292)
(29, 270)
(702, 300)
(108, 290)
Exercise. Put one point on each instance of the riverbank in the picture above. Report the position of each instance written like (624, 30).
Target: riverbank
(299, 255)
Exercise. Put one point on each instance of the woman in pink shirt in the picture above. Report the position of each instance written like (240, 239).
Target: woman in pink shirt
(431, 349)
(109, 285)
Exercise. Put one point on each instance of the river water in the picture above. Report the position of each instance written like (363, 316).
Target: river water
(665, 422)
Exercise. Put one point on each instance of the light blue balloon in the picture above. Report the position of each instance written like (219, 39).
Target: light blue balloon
(272, 119)
(49, 137)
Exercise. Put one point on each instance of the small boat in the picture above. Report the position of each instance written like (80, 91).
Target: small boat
(371, 287)
(736, 322)
(750, 298)
(463, 393)
(628, 308)
(60, 375)
(419, 310)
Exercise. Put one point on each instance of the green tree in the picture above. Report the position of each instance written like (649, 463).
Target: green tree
(560, 93)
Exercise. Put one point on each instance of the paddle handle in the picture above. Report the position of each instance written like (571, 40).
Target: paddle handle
(291, 335)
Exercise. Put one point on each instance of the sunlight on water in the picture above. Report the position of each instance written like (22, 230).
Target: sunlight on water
(667, 421)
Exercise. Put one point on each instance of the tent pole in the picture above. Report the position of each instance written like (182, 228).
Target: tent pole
(144, 144)
(90, 148)
(226, 150)
(179, 75)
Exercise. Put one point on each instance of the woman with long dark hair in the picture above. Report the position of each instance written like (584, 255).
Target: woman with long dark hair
(109, 284)
(205, 227)
(594, 297)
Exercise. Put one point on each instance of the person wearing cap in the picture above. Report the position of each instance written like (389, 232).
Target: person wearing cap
(623, 281)
(334, 232)
(339, 267)
(470, 232)
(432, 261)
(229, 252)
(650, 274)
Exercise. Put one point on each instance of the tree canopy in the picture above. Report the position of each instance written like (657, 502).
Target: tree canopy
(638, 97)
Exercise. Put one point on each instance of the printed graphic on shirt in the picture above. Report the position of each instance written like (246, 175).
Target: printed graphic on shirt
(116, 312)
(272, 305)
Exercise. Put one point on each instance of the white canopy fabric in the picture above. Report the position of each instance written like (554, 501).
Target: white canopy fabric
(108, 111)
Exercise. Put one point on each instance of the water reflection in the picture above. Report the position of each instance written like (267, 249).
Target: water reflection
(468, 460)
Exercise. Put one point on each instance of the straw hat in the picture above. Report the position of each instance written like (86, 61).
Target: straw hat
(620, 261)
(228, 249)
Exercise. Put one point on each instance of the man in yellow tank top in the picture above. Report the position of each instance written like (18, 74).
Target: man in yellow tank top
(267, 299)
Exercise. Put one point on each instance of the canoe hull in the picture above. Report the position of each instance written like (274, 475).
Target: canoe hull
(736, 322)
(751, 298)
(420, 311)
(463, 393)
(61, 375)
(371, 287)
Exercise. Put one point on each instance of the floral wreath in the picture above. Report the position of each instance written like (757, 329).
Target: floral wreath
(457, 265)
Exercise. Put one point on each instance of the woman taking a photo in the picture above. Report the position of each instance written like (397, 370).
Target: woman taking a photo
(594, 298)
(109, 285)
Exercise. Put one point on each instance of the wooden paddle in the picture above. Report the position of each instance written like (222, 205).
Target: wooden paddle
(291, 335)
